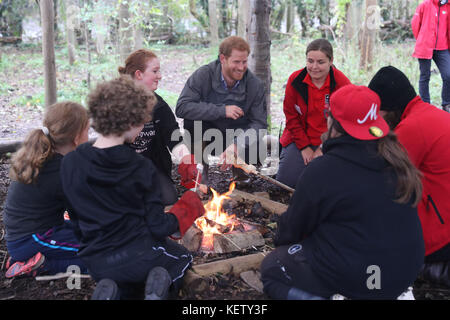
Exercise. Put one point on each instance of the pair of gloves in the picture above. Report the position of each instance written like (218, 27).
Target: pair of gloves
(187, 210)
(189, 172)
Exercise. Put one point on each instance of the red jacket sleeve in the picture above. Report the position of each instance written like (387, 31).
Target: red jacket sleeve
(294, 118)
(416, 21)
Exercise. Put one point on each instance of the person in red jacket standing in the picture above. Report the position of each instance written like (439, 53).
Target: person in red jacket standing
(424, 131)
(431, 28)
(306, 100)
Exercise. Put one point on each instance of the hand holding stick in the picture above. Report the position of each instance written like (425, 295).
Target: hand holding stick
(239, 163)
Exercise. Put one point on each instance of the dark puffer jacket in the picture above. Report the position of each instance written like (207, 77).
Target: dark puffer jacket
(343, 212)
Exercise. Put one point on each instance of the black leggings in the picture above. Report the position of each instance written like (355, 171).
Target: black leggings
(129, 266)
(286, 267)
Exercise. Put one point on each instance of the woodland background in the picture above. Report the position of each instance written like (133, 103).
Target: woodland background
(58, 50)
(90, 38)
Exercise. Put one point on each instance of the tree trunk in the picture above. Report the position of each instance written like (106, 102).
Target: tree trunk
(369, 34)
(196, 15)
(213, 28)
(100, 29)
(72, 20)
(55, 21)
(259, 41)
(86, 36)
(48, 51)
(289, 16)
(125, 31)
(138, 39)
(242, 18)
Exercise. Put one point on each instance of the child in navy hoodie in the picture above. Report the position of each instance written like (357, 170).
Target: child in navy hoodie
(116, 202)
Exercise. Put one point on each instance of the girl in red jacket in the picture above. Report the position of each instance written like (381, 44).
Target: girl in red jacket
(305, 102)
(430, 26)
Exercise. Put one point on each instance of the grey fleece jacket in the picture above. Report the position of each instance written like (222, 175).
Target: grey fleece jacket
(204, 98)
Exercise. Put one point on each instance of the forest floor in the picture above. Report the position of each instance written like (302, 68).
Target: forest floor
(17, 120)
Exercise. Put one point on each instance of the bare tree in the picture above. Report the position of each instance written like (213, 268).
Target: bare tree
(369, 33)
(242, 18)
(48, 50)
(213, 28)
(125, 31)
(72, 21)
(259, 39)
(289, 16)
(196, 15)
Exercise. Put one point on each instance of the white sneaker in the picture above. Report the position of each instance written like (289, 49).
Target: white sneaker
(407, 295)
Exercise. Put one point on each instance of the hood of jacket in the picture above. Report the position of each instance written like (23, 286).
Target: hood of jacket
(360, 152)
(109, 166)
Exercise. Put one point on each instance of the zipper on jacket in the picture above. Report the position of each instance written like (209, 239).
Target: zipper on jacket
(435, 208)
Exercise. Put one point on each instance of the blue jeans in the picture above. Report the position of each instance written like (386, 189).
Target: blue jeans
(59, 246)
(442, 60)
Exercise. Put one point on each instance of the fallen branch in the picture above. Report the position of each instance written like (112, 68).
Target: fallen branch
(10, 146)
(62, 275)
(269, 205)
(194, 283)
(233, 265)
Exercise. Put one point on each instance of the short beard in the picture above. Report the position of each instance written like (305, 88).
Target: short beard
(393, 118)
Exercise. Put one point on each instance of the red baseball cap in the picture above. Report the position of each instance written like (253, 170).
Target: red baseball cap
(357, 109)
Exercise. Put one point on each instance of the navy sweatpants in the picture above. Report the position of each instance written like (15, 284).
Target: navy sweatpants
(286, 267)
(58, 244)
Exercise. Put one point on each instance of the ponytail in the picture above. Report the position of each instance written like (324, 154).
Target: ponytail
(409, 184)
(63, 122)
(34, 152)
(136, 61)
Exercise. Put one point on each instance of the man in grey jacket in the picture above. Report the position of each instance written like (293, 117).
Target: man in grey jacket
(225, 95)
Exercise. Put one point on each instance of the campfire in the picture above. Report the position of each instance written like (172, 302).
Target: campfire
(220, 232)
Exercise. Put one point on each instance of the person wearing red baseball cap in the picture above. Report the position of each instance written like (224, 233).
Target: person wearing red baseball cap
(352, 226)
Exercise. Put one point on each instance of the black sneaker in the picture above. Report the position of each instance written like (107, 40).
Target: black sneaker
(106, 289)
(157, 284)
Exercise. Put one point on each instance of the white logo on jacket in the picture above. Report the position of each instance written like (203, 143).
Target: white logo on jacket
(372, 114)
(298, 109)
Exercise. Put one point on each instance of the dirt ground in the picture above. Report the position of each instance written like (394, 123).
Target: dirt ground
(14, 125)
(222, 286)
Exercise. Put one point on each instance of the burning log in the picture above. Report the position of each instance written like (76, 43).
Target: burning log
(237, 241)
(262, 229)
(269, 205)
(192, 239)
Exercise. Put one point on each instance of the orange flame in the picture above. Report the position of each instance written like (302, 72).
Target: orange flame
(215, 213)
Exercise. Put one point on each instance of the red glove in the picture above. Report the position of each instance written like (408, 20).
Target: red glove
(187, 210)
(188, 172)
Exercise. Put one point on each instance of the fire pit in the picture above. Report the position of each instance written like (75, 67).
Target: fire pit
(219, 232)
